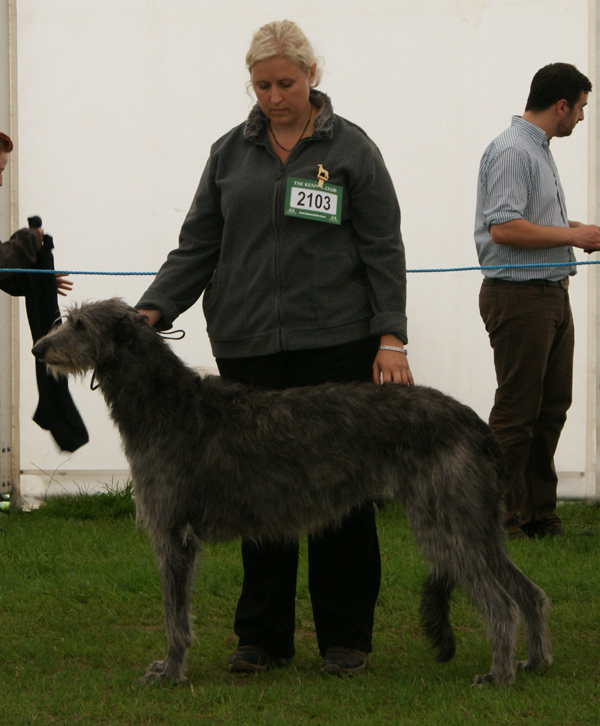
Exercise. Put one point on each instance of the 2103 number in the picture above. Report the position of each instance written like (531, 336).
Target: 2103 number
(314, 200)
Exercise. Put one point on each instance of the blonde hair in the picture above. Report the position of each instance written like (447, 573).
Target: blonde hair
(284, 38)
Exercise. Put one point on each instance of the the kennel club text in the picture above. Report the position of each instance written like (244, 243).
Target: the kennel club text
(305, 198)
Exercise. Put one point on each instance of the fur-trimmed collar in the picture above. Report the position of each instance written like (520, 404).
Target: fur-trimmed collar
(257, 121)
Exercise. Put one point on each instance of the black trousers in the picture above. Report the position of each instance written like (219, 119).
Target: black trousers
(344, 562)
(531, 332)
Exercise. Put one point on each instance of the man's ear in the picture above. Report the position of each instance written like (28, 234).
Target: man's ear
(562, 107)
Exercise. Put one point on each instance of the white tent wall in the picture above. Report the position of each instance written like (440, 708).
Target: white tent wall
(120, 100)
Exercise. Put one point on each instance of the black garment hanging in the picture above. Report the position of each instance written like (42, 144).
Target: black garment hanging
(56, 411)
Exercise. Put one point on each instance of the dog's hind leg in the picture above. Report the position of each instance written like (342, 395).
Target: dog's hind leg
(466, 564)
(534, 605)
(176, 553)
(435, 609)
(502, 615)
(456, 548)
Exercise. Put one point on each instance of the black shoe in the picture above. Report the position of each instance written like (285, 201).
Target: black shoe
(550, 526)
(344, 661)
(250, 659)
(513, 529)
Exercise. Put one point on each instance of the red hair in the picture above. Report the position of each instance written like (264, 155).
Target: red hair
(6, 143)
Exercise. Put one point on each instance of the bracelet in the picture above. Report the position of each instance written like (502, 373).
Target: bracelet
(393, 347)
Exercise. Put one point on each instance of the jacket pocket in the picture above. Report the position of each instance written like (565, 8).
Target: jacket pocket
(224, 302)
(340, 290)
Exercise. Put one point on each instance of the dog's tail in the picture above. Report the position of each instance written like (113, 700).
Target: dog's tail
(435, 609)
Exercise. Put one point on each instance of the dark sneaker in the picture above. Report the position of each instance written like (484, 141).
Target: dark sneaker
(550, 526)
(344, 661)
(250, 659)
(513, 530)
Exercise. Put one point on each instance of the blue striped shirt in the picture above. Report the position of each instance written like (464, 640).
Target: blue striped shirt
(518, 179)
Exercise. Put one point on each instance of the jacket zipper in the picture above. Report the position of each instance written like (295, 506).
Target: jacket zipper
(278, 200)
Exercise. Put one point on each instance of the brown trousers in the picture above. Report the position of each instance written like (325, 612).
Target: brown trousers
(532, 336)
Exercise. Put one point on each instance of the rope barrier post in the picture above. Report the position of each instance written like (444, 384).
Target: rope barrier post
(9, 307)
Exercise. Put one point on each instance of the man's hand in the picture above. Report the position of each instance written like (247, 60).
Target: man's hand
(587, 237)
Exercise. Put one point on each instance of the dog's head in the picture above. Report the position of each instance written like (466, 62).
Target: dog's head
(90, 335)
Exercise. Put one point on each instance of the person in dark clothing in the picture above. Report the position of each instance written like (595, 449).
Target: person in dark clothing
(30, 248)
(22, 249)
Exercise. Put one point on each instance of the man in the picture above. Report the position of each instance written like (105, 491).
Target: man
(521, 219)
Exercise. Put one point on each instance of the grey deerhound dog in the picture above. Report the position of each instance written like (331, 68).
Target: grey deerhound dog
(212, 460)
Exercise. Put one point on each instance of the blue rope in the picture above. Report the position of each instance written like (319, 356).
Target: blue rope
(442, 269)
(509, 267)
(70, 272)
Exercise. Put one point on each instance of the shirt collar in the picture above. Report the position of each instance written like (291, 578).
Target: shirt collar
(535, 133)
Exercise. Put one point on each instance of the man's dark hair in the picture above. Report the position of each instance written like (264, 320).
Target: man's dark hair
(554, 82)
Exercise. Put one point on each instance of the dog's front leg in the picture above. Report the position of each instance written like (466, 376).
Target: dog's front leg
(176, 554)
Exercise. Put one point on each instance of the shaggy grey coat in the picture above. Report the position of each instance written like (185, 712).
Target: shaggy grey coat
(212, 460)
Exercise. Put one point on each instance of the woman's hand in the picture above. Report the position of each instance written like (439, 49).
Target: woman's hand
(63, 286)
(390, 366)
(152, 316)
(39, 233)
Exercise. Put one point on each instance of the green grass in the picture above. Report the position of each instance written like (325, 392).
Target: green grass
(109, 504)
(82, 617)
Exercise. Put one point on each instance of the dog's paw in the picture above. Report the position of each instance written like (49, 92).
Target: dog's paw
(152, 677)
(159, 672)
(492, 680)
(538, 667)
(161, 678)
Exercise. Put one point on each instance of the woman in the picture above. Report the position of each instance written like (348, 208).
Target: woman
(22, 248)
(294, 238)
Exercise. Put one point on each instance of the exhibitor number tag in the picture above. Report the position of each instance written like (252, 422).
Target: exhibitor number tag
(307, 200)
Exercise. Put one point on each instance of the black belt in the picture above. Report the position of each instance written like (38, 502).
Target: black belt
(564, 282)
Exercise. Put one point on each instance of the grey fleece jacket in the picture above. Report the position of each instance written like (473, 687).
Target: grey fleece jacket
(273, 282)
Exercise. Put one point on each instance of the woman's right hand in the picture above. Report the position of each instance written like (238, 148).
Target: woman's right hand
(152, 316)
